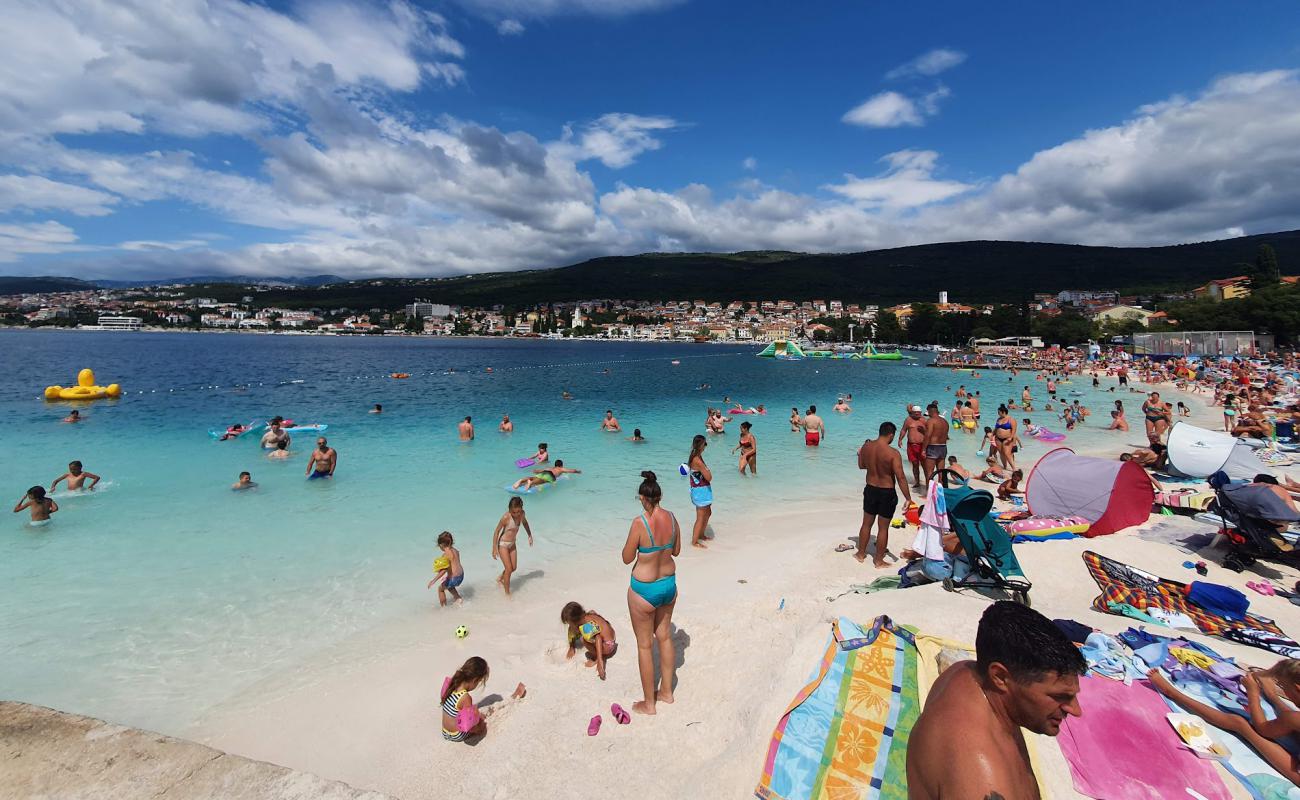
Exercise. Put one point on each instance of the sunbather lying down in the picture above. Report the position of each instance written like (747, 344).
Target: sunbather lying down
(1261, 733)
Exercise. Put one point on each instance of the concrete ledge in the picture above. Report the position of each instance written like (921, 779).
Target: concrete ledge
(49, 755)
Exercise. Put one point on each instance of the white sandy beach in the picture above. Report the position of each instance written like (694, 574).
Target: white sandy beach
(366, 712)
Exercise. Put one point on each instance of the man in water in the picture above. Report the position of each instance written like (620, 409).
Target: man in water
(322, 462)
(541, 477)
(466, 429)
(610, 422)
(378, 409)
(914, 434)
(814, 430)
(967, 742)
(506, 425)
(245, 482)
(73, 416)
(76, 478)
(884, 468)
(936, 441)
(276, 434)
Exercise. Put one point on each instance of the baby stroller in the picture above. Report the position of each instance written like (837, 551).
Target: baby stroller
(993, 564)
(1250, 535)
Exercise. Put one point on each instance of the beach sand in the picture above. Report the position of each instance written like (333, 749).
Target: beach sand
(366, 711)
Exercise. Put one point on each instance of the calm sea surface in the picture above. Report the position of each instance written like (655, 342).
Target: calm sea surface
(163, 592)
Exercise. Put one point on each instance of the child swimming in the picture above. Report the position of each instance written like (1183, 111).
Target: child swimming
(593, 631)
(503, 540)
(450, 572)
(41, 506)
(76, 478)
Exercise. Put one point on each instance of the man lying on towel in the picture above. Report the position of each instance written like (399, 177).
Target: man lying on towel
(967, 742)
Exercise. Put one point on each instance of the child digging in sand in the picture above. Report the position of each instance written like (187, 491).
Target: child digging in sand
(593, 631)
(450, 572)
(461, 719)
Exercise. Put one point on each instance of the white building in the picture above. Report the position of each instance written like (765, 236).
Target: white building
(428, 310)
(121, 323)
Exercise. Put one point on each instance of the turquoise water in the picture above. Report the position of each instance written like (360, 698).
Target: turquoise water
(162, 593)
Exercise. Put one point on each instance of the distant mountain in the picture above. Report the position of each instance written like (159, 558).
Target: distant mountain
(22, 285)
(247, 280)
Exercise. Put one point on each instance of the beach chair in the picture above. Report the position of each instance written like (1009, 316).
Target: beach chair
(993, 564)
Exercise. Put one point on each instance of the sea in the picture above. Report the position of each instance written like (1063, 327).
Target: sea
(163, 592)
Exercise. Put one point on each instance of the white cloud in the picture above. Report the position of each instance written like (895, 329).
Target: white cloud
(885, 110)
(907, 182)
(30, 192)
(36, 238)
(510, 27)
(548, 8)
(928, 64)
(615, 139)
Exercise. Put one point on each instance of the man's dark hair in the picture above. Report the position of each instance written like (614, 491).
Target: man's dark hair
(887, 429)
(812, 409)
(933, 406)
(1028, 644)
(1264, 477)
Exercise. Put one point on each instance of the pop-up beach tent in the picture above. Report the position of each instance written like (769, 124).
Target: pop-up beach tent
(1198, 453)
(1110, 494)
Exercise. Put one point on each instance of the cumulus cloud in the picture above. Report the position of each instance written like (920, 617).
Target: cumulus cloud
(895, 110)
(614, 139)
(547, 8)
(907, 182)
(510, 27)
(37, 238)
(928, 64)
(34, 192)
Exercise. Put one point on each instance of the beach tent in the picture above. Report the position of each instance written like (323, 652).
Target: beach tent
(1110, 494)
(1198, 453)
(782, 348)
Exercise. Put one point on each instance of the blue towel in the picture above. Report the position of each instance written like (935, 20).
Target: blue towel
(1222, 601)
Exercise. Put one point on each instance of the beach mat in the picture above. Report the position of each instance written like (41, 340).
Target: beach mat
(1121, 747)
(846, 732)
(1122, 584)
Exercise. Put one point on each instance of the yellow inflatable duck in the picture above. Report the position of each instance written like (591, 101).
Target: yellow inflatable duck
(84, 390)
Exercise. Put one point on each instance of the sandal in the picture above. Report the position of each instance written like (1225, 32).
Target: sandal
(593, 727)
(620, 714)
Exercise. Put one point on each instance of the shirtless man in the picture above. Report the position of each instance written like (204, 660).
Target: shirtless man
(322, 461)
(841, 406)
(610, 422)
(272, 438)
(76, 478)
(914, 431)
(73, 416)
(884, 468)
(506, 425)
(936, 441)
(967, 742)
(466, 429)
(814, 430)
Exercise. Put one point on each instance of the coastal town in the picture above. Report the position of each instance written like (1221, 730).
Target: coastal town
(175, 307)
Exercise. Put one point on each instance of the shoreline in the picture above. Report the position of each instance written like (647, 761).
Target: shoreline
(753, 618)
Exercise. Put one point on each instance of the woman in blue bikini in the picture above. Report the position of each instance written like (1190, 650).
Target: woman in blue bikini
(652, 542)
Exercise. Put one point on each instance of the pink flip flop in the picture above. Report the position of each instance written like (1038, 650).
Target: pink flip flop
(593, 727)
(620, 714)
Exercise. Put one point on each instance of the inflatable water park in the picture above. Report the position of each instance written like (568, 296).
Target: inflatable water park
(783, 350)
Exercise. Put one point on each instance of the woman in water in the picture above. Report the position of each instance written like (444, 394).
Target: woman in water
(796, 422)
(748, 448)
(593, 632)
(701, 480)
(652, 542)
(503, 540)
(1004, 431)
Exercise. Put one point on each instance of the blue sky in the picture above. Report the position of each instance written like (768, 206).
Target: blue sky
(399, 138)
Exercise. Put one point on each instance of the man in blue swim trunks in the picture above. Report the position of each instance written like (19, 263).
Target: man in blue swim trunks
(322, 461)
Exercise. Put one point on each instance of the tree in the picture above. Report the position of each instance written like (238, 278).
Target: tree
(1266, 266)
(1065, 328)
(887, 328)
(923, 324)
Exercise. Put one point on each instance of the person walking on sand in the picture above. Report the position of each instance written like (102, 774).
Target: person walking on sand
(936, 441)
(701, 482)
(504, 546)
(884, 468)
(913, 434)
(466, 429)
(748, 448)
(814, 430)
(653, 541)
(322, 461)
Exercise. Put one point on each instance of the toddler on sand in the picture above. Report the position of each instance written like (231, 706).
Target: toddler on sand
(450, 573)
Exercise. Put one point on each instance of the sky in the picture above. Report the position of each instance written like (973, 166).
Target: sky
(365, 138)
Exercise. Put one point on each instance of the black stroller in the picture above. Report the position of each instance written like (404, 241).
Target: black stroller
(1250, 536)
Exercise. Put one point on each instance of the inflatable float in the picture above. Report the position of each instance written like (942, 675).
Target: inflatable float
(1044, 435)
(525, 462)
(745, 411)
(1041, 529)
(399, 375)
(230, 433)
(84, 390)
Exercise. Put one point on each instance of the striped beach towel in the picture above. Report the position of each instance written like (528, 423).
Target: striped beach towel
(845, 734)
(1185, 498)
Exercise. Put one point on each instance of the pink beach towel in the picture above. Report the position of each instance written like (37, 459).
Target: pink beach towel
(1122, 748)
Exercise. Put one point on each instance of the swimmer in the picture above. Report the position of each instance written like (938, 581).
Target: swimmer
(232, 432)
(748, 448)
(76, 478)
(275, 435)
(796, 422)
(636, 436)
(813, 427)
(761, 410)
(245, 482)
(593, 632)
(610, 422)
(503, 540)
(73, 416)
(506, 425)
(378, 409)
(466, 429)
(41, 507)
(450, 572)
(841, 406)
(541, 456)
(564, 395)
(541, 477)
(281, 450)
(323, 460)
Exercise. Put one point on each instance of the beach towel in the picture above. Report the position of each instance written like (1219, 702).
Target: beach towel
(1185, 498)
(845, 733)
(1122, 585)
(934, 521)
(1121, 748)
